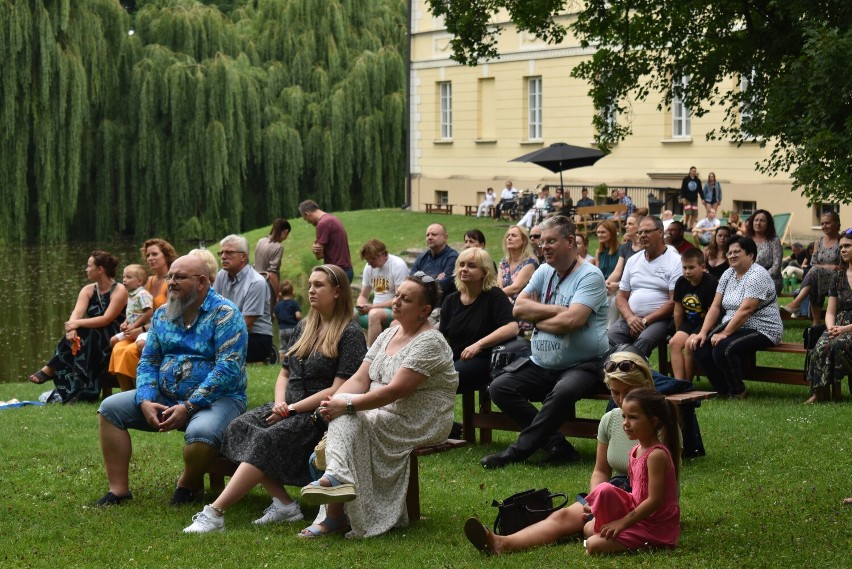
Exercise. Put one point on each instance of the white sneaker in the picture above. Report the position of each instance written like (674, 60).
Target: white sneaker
(279, 512)
(206, 521)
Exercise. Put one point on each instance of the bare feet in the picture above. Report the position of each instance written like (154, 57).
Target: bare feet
(811, 400)
(848, 501)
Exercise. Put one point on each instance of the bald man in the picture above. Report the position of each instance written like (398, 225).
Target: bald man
(439, 260)
(191, 377)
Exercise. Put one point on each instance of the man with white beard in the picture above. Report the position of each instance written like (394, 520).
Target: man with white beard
(191, 377)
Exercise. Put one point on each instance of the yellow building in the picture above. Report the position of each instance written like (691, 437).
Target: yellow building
(467, 123)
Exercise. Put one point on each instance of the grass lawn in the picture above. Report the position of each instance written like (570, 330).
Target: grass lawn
(768, 493)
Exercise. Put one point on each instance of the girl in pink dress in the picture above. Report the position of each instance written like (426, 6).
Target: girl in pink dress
(649, 516)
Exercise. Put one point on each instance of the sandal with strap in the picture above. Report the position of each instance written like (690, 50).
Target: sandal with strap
(40, 377)
(315, 494)
(339, 524)
(477, 534)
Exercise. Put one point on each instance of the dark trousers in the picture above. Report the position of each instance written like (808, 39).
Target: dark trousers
(722, 362)
(559, 390)
(474, 374)
(650, 338)
(259, 348)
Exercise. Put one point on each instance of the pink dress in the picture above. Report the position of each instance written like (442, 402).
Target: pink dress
(660, 529)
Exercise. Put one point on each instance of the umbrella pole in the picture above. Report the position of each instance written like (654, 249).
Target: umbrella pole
(561, 185)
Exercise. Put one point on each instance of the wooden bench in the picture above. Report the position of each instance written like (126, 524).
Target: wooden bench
(439, 208)
(486, 419)
(754, 372)
(589, 216)
(223, 467)
(471, 210)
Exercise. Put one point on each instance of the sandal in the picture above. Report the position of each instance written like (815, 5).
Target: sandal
(477, 534)
(315, 494)
(40, 377)
(332, 525)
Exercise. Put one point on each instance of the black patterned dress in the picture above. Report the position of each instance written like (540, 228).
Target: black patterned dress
(281, 450)
(78, 377)
(831, 356)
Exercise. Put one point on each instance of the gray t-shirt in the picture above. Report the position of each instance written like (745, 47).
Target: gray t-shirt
(250, 293)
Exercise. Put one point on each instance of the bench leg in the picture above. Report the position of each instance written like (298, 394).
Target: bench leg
(412, 497)
(467, 416)
(484, 407)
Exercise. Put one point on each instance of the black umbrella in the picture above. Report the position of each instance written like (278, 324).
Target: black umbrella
(559, 157)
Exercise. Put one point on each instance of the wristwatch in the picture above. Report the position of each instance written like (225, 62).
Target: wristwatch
(350, 408)
(291, 410)
(190, 409)
(644, 322)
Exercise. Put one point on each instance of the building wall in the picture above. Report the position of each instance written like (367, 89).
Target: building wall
(490, 127)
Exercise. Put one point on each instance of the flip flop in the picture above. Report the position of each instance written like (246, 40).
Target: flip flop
(315, 494)
(333, 525)
(39, 377)
(477, 535)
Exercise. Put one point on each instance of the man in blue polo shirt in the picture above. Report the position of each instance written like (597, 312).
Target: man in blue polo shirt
(439, 260)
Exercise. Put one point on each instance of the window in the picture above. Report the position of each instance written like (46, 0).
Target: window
(681, 123)
(534, 103)
(746, 103)
(821, 209)
(745, 209)
(442, 197)
(445, 93)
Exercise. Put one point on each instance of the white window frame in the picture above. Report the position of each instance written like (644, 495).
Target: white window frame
(534, 108)
(745, 112)
(681, 117)
(445, 93)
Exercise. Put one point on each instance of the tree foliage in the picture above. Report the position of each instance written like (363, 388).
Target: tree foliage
(795, 55)
(194, 119)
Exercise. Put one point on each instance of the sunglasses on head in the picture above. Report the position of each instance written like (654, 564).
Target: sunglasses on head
(847, 233)
(623, 365)
(423, 277)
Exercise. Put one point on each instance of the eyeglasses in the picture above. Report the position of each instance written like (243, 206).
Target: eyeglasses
(179, 278)
(733, 253)
(538, 235)
(423, 277)
(642, 232)
(623, 365)
(229, 252)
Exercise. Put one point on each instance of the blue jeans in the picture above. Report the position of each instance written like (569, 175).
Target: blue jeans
(206, 426)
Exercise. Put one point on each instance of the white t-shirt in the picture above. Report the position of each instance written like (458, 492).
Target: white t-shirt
(707, 223)
(649, 283)
(385, 279)
(489, 199)
(507, 194)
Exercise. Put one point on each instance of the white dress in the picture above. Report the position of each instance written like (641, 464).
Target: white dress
(371, 448)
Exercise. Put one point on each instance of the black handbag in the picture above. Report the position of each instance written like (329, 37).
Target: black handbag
(509, 356)
(524, 509)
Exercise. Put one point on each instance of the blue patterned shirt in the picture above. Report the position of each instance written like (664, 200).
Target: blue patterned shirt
(199, 364)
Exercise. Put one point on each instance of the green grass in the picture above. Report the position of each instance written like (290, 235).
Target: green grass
(768, 493)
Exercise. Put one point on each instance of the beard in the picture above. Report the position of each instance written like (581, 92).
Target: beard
(178, 303)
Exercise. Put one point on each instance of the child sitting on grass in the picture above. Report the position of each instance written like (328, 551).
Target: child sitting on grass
(140, 304)
(693, 296)
(649, 515)
(288, 313)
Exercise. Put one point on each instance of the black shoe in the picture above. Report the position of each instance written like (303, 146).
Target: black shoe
(186, 496)
(110, 499)
(562, 453)
(500, 459)
(457, 431)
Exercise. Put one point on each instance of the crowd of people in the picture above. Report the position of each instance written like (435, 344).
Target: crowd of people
(364, 383)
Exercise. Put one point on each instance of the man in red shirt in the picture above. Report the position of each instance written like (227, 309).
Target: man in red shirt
(331, 244)
(674, 237)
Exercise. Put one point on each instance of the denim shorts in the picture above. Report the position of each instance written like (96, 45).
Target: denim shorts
(206, 426)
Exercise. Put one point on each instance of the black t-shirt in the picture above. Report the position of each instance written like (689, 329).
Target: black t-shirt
(718, 269)
(695, 300)
(463, 325)
(690, 188)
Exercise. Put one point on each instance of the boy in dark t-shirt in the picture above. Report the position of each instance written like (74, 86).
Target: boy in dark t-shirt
(693, 295)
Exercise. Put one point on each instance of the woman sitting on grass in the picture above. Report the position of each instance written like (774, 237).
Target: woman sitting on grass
(624, 372)
(400, 398)
(272, 443)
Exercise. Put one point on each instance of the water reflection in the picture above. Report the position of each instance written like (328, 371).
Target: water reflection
(40, 286)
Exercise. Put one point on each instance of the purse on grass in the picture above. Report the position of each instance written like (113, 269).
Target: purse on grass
(524, 509)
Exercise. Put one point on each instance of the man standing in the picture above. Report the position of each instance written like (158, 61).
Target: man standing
(332, 244)
(690, 191)
(247, 289)
(645, 293)
(191, 377)
(383, 273)
(674, 237)
(439, 260)
(566, 299)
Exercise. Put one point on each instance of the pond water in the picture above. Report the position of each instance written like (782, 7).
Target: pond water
(40, 285)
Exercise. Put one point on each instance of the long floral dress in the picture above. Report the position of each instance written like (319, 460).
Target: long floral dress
(831, 357)
(371, 449)
(818, 278)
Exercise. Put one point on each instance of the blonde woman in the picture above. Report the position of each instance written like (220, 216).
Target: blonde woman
(518, 263)
(624, 372)
(272, 443)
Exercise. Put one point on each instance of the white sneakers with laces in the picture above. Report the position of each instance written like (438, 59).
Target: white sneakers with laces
(206, 521)
(279, 512)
